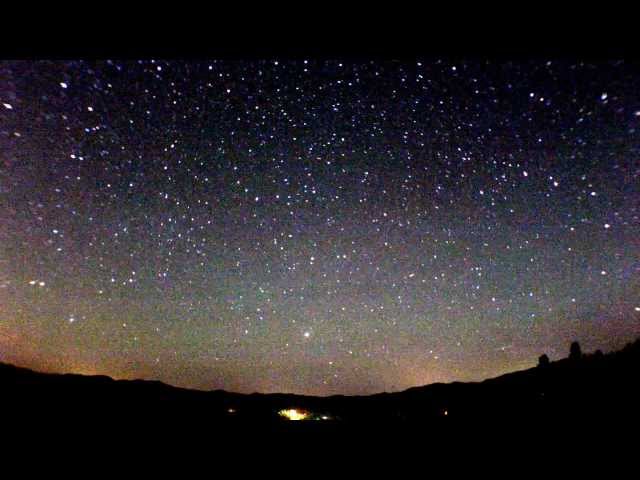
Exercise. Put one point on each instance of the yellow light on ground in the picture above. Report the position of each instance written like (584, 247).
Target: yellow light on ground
(293, 414)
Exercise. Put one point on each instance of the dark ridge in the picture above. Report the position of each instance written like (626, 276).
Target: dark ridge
(594, 389)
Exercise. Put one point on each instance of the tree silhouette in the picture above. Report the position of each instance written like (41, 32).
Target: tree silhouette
(575, 353)
(543, 361)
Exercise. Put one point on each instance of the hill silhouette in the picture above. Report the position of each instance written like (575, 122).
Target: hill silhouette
(592, 389)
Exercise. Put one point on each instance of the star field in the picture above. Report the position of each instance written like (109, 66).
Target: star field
(316, 227)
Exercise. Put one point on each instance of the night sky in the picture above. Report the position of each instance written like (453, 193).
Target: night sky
(316, 226)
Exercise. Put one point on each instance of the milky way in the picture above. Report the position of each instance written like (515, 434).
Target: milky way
(316, 227)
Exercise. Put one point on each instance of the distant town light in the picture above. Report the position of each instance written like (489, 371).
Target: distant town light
(293, 414)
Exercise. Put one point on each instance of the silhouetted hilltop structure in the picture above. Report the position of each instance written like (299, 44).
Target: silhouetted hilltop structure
(588, 388)
(575, 352)
(543, 361)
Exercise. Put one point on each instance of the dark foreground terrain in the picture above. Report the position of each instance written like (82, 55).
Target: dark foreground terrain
(596, 390)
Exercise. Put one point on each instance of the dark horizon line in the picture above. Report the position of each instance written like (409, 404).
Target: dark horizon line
(221, 390)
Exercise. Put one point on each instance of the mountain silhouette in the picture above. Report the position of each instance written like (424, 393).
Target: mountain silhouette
(588, 388)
